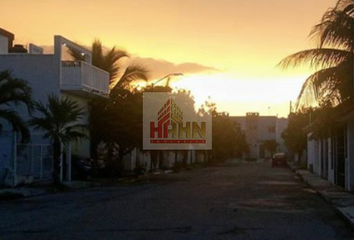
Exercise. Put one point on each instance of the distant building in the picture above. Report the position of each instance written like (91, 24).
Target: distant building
(46, 74)
(258, 129)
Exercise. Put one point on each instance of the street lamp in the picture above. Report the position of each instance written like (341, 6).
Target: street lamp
(167, 76)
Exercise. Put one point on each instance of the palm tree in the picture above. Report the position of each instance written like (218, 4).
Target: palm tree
(110, 62)
(14, 91)
(59, 124)
(333, 58)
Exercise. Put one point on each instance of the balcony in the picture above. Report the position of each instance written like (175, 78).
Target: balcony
(82, 78)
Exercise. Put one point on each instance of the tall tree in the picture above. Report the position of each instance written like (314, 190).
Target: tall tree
(14, 91)
(228, 139)
(121, 77)
(333, 58)
(58, 121)
(294, 136)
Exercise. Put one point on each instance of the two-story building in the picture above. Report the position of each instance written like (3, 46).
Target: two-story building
(46, 73)
(258, 129)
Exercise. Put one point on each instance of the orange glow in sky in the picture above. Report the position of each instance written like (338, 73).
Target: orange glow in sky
(235, 44)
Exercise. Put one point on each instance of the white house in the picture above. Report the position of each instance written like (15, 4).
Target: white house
(259, 129)
(46, 74)
(332, 157)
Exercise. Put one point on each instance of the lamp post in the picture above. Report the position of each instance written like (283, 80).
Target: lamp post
(167, 76)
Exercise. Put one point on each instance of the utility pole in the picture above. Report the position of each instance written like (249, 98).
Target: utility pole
(167, 76)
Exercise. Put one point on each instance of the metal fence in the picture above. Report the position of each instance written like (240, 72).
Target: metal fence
(34, 160)
(24, 163)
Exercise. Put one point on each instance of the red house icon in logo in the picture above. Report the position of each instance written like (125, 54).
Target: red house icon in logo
(171, 115)
(168, 113)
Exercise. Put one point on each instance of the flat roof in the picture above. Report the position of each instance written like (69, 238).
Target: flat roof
(7, 34)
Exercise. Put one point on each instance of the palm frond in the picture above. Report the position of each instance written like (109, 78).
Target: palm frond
(42, 124)
(59, 117)
(97, 54)
(74, 133)
(14, 90)
(346, 6)
(107, 61)
(335, 30)
(132, 73)
(16, 122)
(317, 58)
(111, 62)
(333, 84)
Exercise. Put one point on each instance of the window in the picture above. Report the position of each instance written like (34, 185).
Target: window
(271, 129)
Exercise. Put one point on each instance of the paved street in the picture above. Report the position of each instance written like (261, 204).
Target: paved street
(234, 201)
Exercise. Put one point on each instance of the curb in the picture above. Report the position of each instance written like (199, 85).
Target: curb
(347, 212)
(13, 194)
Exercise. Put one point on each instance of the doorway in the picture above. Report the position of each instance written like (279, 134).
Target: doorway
(341, 150)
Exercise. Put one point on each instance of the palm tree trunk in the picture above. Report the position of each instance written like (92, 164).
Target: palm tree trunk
(56, 161)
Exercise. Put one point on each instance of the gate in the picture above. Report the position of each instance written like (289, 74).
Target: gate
(34, 160)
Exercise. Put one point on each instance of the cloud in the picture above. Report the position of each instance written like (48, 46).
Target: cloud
(159, 68)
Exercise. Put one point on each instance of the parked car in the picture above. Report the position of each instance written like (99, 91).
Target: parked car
(279, 159)
(82, 168)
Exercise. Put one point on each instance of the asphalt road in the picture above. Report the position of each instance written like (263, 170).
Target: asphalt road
(233, 201)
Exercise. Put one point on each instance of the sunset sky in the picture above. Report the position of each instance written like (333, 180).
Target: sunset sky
(227, 49)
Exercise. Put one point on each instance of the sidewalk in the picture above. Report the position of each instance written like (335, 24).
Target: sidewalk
(343, 201)
(16, 193)
(40, 189)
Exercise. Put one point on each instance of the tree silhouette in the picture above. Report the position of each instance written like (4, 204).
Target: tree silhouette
(14, 91)
(59, 122)
(333, 59)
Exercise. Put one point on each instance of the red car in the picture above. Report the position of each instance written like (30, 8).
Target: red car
(279, 159)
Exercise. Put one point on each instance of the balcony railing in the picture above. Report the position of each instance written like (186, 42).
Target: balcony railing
(80, 76)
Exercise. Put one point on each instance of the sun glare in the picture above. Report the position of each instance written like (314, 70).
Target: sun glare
(231, 94)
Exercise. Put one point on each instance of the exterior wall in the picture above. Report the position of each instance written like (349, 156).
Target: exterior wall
(38, 70)
(331, 176)
(281, 125)
(4, 45)
(130, 160)
(137, 158)
(324, 158)
(251, 131)
(316, 157)
(310, 153)
(260, 128)
(41, 73)
(267, 128)
(266, 131)
(350, 156)
(167, 159)
(6, 157)
(82, 147)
